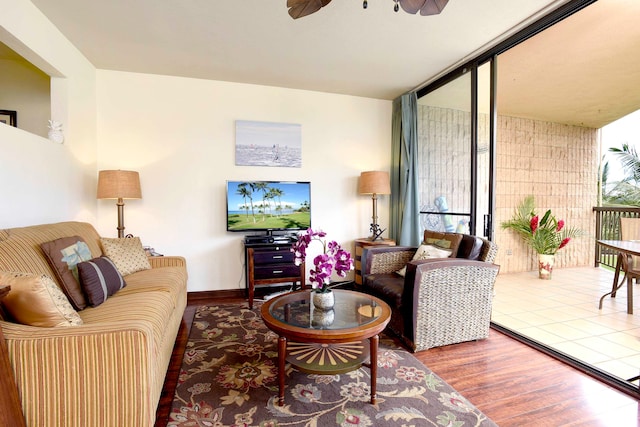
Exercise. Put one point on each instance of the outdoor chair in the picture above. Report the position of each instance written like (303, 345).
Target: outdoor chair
(629, 230)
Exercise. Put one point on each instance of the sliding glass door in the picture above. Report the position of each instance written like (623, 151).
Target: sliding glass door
(455, 154)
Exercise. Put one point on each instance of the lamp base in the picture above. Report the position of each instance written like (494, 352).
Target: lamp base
(120, 227)
(376, 232)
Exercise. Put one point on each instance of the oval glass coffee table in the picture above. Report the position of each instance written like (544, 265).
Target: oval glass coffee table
(321, 342)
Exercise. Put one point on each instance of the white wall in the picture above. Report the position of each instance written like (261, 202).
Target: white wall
(40, 181)
(179, 134)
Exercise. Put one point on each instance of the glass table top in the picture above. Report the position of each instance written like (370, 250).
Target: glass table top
(351, 310)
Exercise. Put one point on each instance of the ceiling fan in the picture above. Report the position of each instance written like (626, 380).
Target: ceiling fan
(300, 8)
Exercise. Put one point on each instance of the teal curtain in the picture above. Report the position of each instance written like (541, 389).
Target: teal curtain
(404, 226)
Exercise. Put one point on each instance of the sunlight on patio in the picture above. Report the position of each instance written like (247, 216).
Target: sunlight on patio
(562, 313)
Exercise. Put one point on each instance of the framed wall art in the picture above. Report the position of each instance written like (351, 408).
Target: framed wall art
(268, 144)
(9, 117)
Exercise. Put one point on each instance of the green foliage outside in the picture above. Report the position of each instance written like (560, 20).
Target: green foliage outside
(625, 192)
(546, 234)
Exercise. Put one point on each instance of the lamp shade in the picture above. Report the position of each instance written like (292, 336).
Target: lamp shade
(119, 184)
(374, 182)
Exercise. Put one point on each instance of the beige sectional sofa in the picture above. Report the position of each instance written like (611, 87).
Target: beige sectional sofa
(110, 370)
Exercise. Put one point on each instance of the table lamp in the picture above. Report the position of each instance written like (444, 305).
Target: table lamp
(374, 183)
(119, 184)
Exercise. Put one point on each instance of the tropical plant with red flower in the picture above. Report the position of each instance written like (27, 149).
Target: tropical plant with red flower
(333, 256)
(545, 235)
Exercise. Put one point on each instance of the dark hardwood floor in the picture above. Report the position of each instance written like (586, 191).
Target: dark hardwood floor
(512, 383)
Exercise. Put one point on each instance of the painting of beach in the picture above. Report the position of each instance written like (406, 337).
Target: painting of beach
(268, 144)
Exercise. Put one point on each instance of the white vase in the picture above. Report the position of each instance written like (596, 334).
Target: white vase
(323, 318)
(323, 300)
(55, 132)
(545, 266)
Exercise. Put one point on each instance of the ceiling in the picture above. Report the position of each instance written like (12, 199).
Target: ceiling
(584, 71)
(342, 48)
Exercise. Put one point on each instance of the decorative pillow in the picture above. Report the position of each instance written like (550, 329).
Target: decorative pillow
(100, 279)
(127, 254)
(443, 240)
(37, 301)
(426, 252)
(63, 256)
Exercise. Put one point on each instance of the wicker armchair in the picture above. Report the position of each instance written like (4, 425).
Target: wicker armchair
(439, 301)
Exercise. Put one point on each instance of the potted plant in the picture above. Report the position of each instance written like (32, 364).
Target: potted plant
(545, 235)
(333, 256)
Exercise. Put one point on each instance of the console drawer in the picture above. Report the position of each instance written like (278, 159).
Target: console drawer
(275, 271)
(273, 257)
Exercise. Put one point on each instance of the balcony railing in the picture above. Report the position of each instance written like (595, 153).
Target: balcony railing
(608, 228)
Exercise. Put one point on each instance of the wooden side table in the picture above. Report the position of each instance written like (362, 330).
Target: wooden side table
(361, 244)
(10, 406)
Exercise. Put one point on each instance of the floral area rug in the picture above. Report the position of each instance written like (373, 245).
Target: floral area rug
(229, 378)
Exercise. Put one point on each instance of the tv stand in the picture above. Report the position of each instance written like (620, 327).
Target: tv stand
(269, 263)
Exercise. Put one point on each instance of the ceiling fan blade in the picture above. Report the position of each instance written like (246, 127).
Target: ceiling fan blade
(433, 7)
(301, 8)
(412, 6)
(426, 7)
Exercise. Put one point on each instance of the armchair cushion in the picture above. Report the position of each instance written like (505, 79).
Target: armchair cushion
(427, 252)
(387, 286)
(449, 241)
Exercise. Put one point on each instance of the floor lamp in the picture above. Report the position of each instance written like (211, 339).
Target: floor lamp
(374, 183)
(120, 185)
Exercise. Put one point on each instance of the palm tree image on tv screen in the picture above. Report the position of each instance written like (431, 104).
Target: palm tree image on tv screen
(265, 205)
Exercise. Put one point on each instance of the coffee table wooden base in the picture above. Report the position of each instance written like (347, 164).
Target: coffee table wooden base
(337, 347)
(327, 359)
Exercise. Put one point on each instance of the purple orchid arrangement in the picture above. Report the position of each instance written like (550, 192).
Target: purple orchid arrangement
(333, 256)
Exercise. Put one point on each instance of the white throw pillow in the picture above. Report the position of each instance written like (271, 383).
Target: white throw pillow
(126, 253)
(426, 252)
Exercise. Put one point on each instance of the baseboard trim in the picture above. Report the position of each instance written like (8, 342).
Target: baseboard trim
(207, 296)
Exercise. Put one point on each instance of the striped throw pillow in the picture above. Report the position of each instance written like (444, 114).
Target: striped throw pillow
(99, 279)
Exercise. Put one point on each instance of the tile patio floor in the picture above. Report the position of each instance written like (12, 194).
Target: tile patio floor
(563, 313)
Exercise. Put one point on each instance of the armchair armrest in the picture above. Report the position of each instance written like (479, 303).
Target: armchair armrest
(386, 259)
(450, 301)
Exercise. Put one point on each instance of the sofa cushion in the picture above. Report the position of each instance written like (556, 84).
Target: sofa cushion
(64, 255)
(100, 279)
(127, 254)
(449, 241)
(36, 300)
(427, 252)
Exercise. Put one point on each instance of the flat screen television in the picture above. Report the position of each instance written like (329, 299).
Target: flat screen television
(268, 206)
